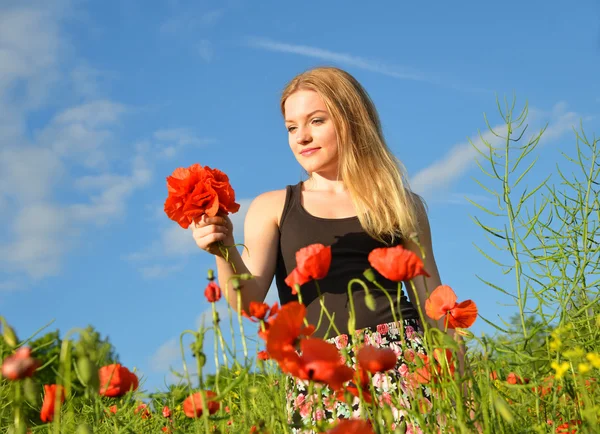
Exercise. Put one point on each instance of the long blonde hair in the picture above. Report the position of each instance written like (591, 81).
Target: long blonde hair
(375, 178)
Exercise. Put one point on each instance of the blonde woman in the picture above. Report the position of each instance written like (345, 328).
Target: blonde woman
(355, 199)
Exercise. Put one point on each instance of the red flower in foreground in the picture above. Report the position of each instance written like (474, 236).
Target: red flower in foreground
(312, 262)
(166, 411)
(320, 362)
(50, 396)
(212, 292)
(374, 359)
(286, 329)
(259, 311)
(198, 190)
(352, 426)
(19, 365)
(442, 302)
(397, 263)
(192, 405)
(116, 380)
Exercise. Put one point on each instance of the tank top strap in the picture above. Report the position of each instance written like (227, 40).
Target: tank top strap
(292, 201)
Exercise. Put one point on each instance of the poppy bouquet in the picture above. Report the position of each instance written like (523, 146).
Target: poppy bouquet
(197, 190)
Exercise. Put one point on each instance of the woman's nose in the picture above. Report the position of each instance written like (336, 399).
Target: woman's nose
(303, 136)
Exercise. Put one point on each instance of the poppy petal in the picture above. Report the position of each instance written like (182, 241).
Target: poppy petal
(441, 300)
(463, 315)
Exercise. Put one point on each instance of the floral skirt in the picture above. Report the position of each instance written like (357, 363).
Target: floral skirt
(393, 388)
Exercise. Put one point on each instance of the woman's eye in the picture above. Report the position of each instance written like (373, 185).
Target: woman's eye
(318, 121)
(291, 129)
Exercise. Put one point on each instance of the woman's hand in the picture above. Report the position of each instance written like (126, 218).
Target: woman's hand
(208, 230)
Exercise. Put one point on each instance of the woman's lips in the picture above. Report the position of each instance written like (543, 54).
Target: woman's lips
(310, 151)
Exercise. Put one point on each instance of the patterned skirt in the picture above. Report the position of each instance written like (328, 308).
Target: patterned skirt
(304, 409)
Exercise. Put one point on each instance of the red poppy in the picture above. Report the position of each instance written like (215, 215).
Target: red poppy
(320, 362)
(263, 355)
(312, 262)
(442, 302)
(374, 359)
(397, 263)
(198, 190)
(212, 292)
(286, 329)
(360, 387)
(257, 310)
(513, 378)
(143, 409)
(116, 380)
(166, 411)
(19, 365)
(192, 405)
(568, 427)
(443, 362)
(50, 397)
(352, 426)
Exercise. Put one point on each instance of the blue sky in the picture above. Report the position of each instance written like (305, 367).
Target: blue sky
(100, 101)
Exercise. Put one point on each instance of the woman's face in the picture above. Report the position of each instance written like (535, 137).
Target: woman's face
(311, 133)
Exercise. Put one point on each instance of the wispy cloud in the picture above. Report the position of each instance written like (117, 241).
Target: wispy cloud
(441, 174)
(167, 355)
(341, 58)
(172, 243)
(205, 50)
(171, 141)
(69, 151)
(190, 21)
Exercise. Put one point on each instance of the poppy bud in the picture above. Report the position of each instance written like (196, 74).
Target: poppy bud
(370, 302)
(235, 283)
(32, 391)
(464, 332)
(210, 275)
(370, 275)
(88, 372)
(351, 325)
(246, 276)
(84, 428)
(201, 359)
(9, 335)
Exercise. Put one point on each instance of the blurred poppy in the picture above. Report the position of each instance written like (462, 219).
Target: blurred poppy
(212, 292)
(116, 380)
(352, 426)
(192, 405)
(19, 365)
(374, 359)
(286, 330)
(50, 398)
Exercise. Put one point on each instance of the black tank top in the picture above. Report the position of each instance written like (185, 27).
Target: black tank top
(350, 248)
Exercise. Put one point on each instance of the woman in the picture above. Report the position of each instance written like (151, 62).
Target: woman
(356, 199)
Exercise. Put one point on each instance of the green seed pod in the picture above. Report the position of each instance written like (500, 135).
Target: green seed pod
(84, 428)
(235, 283)
(370, 302)
(246, 276)
(88, 373)
(9, 335)
(32, 391)
(369, 275)
(201, 359)
(210, 275)
(351, 325)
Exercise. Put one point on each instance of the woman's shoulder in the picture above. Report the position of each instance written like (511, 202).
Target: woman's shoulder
(269, 204)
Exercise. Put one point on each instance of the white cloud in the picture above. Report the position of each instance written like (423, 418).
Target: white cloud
(190, 21)
(442, 173)
(169, 142)
(342, 58)
(159, 271)
(166, 356)
(40, 229)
